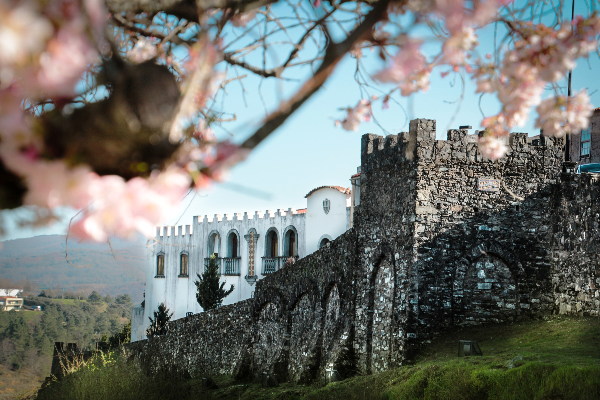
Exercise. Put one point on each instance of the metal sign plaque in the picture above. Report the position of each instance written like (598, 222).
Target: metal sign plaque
(488, 185)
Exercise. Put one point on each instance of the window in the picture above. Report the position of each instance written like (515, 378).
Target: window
(326, 206)
(214, 244)
(290, 248)
(271, 250)
(160, 265)
(183, 264)
(586, 141)
(324, 242)
(233, 245)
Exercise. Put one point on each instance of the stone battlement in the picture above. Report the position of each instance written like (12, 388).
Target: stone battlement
(420, 144)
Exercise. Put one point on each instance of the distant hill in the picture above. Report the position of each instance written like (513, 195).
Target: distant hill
(41, 259)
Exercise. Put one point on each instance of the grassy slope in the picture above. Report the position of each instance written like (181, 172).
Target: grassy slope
(560, 360)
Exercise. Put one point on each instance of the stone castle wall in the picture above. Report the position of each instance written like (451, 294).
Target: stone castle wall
(576, 245)
(442, 238)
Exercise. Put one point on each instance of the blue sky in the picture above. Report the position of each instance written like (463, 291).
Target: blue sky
(309, 151)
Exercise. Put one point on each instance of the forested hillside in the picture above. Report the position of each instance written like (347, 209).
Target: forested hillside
(41, 260)
(27, 337)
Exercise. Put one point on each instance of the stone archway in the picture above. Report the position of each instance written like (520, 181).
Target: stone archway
(270, 338)
(303, 335)
(486, 286)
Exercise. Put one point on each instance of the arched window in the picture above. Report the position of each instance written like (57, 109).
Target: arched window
(323, 242)
(160, 265)
(233, 245)
(214, 243)
(183, 264)
(290, 242)
(271, 243)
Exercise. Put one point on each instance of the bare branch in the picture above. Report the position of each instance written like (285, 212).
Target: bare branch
(333, 54)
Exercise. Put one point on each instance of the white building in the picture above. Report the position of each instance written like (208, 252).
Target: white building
(248, 247)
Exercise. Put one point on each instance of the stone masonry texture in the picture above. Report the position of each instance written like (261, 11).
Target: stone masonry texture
(441, 238)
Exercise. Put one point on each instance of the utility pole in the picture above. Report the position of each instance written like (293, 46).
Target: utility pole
(567, 134)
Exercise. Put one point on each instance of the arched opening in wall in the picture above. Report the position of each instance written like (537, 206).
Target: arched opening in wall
(232, 261)
(324, 242)
(271, 261)
(304, 354)
(160, 265)
(213, 244)
(490, 292)
(331, 309)
(232, 245)
(379, 325)
(270, 339)
(271, 243)
(290, 246)
(183, 264)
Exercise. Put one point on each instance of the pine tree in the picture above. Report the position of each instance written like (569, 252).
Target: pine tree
(210, 295)
(158, 325)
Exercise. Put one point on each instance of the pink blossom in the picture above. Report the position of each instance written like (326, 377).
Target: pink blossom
(23, 32)
(558, 115)
(417, 81)
(361, 112)
(136, 206)
(12, 118)
(62, 64)
(408, 60)
(492, 147)
(456, 46)
(143, 50)
(51, 184)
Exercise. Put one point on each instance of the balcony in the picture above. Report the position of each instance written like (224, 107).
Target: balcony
(272, 264)
(230, 266)
(227, 265)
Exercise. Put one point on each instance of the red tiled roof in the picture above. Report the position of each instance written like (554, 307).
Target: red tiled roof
(355, 175)
(301, 211)
(339, 188)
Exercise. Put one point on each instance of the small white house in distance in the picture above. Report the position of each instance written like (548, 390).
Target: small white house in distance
(248, 247)
(10, 292)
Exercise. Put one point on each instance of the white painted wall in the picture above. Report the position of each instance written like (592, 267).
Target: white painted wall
(179, 293)
(319, 224)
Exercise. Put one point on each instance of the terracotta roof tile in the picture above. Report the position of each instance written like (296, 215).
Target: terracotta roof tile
(301, 211)
(339, 188)
(355, 175)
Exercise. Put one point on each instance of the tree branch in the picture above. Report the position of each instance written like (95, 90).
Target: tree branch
(333, 54)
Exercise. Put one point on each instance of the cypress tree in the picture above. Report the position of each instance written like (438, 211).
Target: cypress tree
(158, 325)
(210, 295)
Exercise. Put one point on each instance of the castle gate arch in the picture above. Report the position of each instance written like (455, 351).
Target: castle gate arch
(486, 286)
(379, 329)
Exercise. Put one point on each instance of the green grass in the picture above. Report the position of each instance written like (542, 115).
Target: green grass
(67, 301)
(560, 360)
